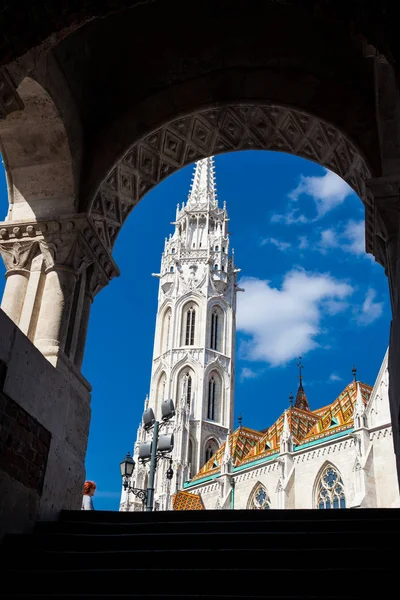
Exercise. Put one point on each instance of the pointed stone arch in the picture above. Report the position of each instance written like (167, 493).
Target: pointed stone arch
(185, 385)
(189, 326)
(186, 360)
(210, 447)
(216, 327)
(329, 488)
(259, 498)
(214, 393)
(235, 127)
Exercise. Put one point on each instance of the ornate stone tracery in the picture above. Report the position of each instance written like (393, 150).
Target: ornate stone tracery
(221, 130)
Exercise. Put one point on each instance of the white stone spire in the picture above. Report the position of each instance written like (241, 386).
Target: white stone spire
(203, 189)
(194, 343)
(359, 409)
(286, 437)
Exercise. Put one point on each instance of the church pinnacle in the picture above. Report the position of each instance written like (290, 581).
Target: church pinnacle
(203, 188)
(301, 398)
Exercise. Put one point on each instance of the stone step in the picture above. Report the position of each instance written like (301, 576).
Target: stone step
(365, 514)
(89, 558)
(202, 540)
(298, 525)
(187, 596)
(234, 580)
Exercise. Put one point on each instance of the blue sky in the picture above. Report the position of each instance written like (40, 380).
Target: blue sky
(310, 290)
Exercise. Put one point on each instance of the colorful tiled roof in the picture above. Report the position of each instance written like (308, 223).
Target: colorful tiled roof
(338, 416)
(248, 445)
(187, 501)
(241, 442)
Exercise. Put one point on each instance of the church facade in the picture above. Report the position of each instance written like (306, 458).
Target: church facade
(338, 456)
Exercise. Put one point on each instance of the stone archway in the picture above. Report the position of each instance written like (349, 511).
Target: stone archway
(220, 130)
(256, 89)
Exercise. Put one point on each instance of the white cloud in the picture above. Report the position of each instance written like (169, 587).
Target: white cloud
(293, 216)
(285, 323)
(334, 377)
(350, 238)
(303, 242)
(369, 310)
(278, 243)
(354, 231)
(327, 192)
(247, 373)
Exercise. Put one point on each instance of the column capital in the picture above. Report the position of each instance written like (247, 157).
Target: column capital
(17, 255)
(71, 243)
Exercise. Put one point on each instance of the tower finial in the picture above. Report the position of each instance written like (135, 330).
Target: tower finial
(203, 189)
(354, 371)
(300, 371)
(240, 418)
(291, 399)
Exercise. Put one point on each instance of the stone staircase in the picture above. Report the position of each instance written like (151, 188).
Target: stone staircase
(213, 555)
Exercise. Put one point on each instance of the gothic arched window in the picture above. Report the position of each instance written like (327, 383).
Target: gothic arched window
(189, 324)
(330, 489)
(190, 458)
(211, 448)
(260, 499)
(216, 329)
(213, 397)
(185, 386)
(188, 395)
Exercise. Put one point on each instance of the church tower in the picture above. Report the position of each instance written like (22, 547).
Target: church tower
(194, 344)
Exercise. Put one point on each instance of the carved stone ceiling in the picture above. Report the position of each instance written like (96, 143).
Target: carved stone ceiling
(222, 130)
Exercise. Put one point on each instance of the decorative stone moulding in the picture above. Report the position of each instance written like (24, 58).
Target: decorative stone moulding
(58, 235)
(220, 130)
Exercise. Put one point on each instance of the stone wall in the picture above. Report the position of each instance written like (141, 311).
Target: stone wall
(44, 425)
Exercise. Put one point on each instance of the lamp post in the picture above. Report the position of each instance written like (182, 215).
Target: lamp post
(127, 467)
(152, 451)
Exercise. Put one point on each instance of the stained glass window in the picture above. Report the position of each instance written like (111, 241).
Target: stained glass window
(260, 499)
(330, 489)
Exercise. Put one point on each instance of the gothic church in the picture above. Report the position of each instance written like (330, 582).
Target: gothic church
(338, 456)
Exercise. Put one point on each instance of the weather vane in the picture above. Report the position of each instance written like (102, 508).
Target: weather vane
(354, 371)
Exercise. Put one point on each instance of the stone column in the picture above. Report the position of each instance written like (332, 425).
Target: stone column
(93, 283)
(55, 309)
(14, 293)
(17, 257)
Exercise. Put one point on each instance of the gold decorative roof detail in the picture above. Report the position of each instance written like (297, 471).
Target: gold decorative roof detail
(187, 501)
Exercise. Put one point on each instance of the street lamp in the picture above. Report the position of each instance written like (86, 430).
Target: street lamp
(127, 467)
(152, 451)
